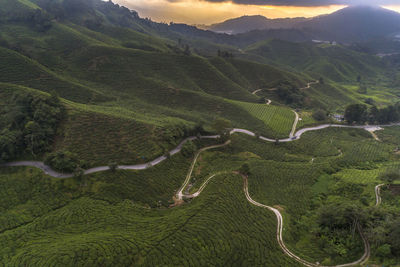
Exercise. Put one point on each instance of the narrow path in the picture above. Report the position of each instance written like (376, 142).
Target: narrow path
(378, 194)
(296, 120)
(256, 91)
(268, 101)
(179, 195)
(309, 85)
(279, 233)
(364, 258)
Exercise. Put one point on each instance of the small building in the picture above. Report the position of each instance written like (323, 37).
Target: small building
(338, 117)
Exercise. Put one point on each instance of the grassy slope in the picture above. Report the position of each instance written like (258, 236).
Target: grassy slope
(276, 119)
(338, 65)
(79, 212)
(334, 62)
(213, 229)
(104, 219)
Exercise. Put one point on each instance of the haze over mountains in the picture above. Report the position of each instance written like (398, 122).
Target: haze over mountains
(356, 23)
(248, 23)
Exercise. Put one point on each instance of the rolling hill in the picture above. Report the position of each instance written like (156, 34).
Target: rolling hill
(89, 84)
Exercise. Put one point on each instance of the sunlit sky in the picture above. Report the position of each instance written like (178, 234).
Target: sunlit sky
(213, 11)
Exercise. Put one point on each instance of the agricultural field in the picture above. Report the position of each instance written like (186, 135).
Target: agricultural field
(100, 138)
(135, 203)
(139, 234)
(279, 120)
(88, 84)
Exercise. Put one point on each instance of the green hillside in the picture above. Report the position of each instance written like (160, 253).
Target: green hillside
(87, 83)
(335, 62)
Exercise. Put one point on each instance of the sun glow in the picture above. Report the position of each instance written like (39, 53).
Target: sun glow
(394, 8)
(203, 12)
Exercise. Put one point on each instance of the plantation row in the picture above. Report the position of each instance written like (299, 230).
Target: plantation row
(70, 219)
(80, 232)
(278, 119)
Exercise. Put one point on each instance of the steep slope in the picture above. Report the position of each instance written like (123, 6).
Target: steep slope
(331, 61)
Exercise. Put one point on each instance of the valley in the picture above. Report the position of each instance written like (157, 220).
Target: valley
(125, 141)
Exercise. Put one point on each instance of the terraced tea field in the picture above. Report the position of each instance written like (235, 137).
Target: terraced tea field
(279, 120)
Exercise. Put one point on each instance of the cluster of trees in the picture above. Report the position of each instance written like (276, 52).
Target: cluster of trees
(290, 94)
(320, 115)
(189, 149)
(65, 161)
(225, 54)
(28, 124)
(390, 176)
(36, 18)
(360, 113)
(342, 218)
(222, 127)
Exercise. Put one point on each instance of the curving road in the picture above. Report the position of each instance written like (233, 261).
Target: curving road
(364, 258)
(279, 233)
(49, 171)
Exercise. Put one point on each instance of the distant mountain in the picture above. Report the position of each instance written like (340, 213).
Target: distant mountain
(250, 23)
(358, 23)
(348, 25)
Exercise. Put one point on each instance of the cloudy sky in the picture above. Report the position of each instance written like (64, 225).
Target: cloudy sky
(212, 11)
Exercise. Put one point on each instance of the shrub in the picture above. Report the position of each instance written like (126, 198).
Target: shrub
(113, 166)
(245, 169)
(188, 149)
(319, 115)
(64, 161)
(390, 177)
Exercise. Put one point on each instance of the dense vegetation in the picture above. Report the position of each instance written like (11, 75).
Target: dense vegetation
(359, 113)
(28, 123)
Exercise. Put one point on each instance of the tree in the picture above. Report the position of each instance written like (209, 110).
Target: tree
(28, 124)
(34, 137)
(341, 215)
(319, 115)
(187, 51)
(245, 169)
(113, 166)
(391, 176)
(356, 113)
(78, 172)
(394, 237)
(64, 161)
(188, 149)
(221, 126)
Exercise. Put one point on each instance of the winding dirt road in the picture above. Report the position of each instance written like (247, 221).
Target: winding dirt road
(378, 194)
(296, 120)
(309, 85)
(268, 101)
(364, 258)
(179, 195)
(49, 171)
(279, 233)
